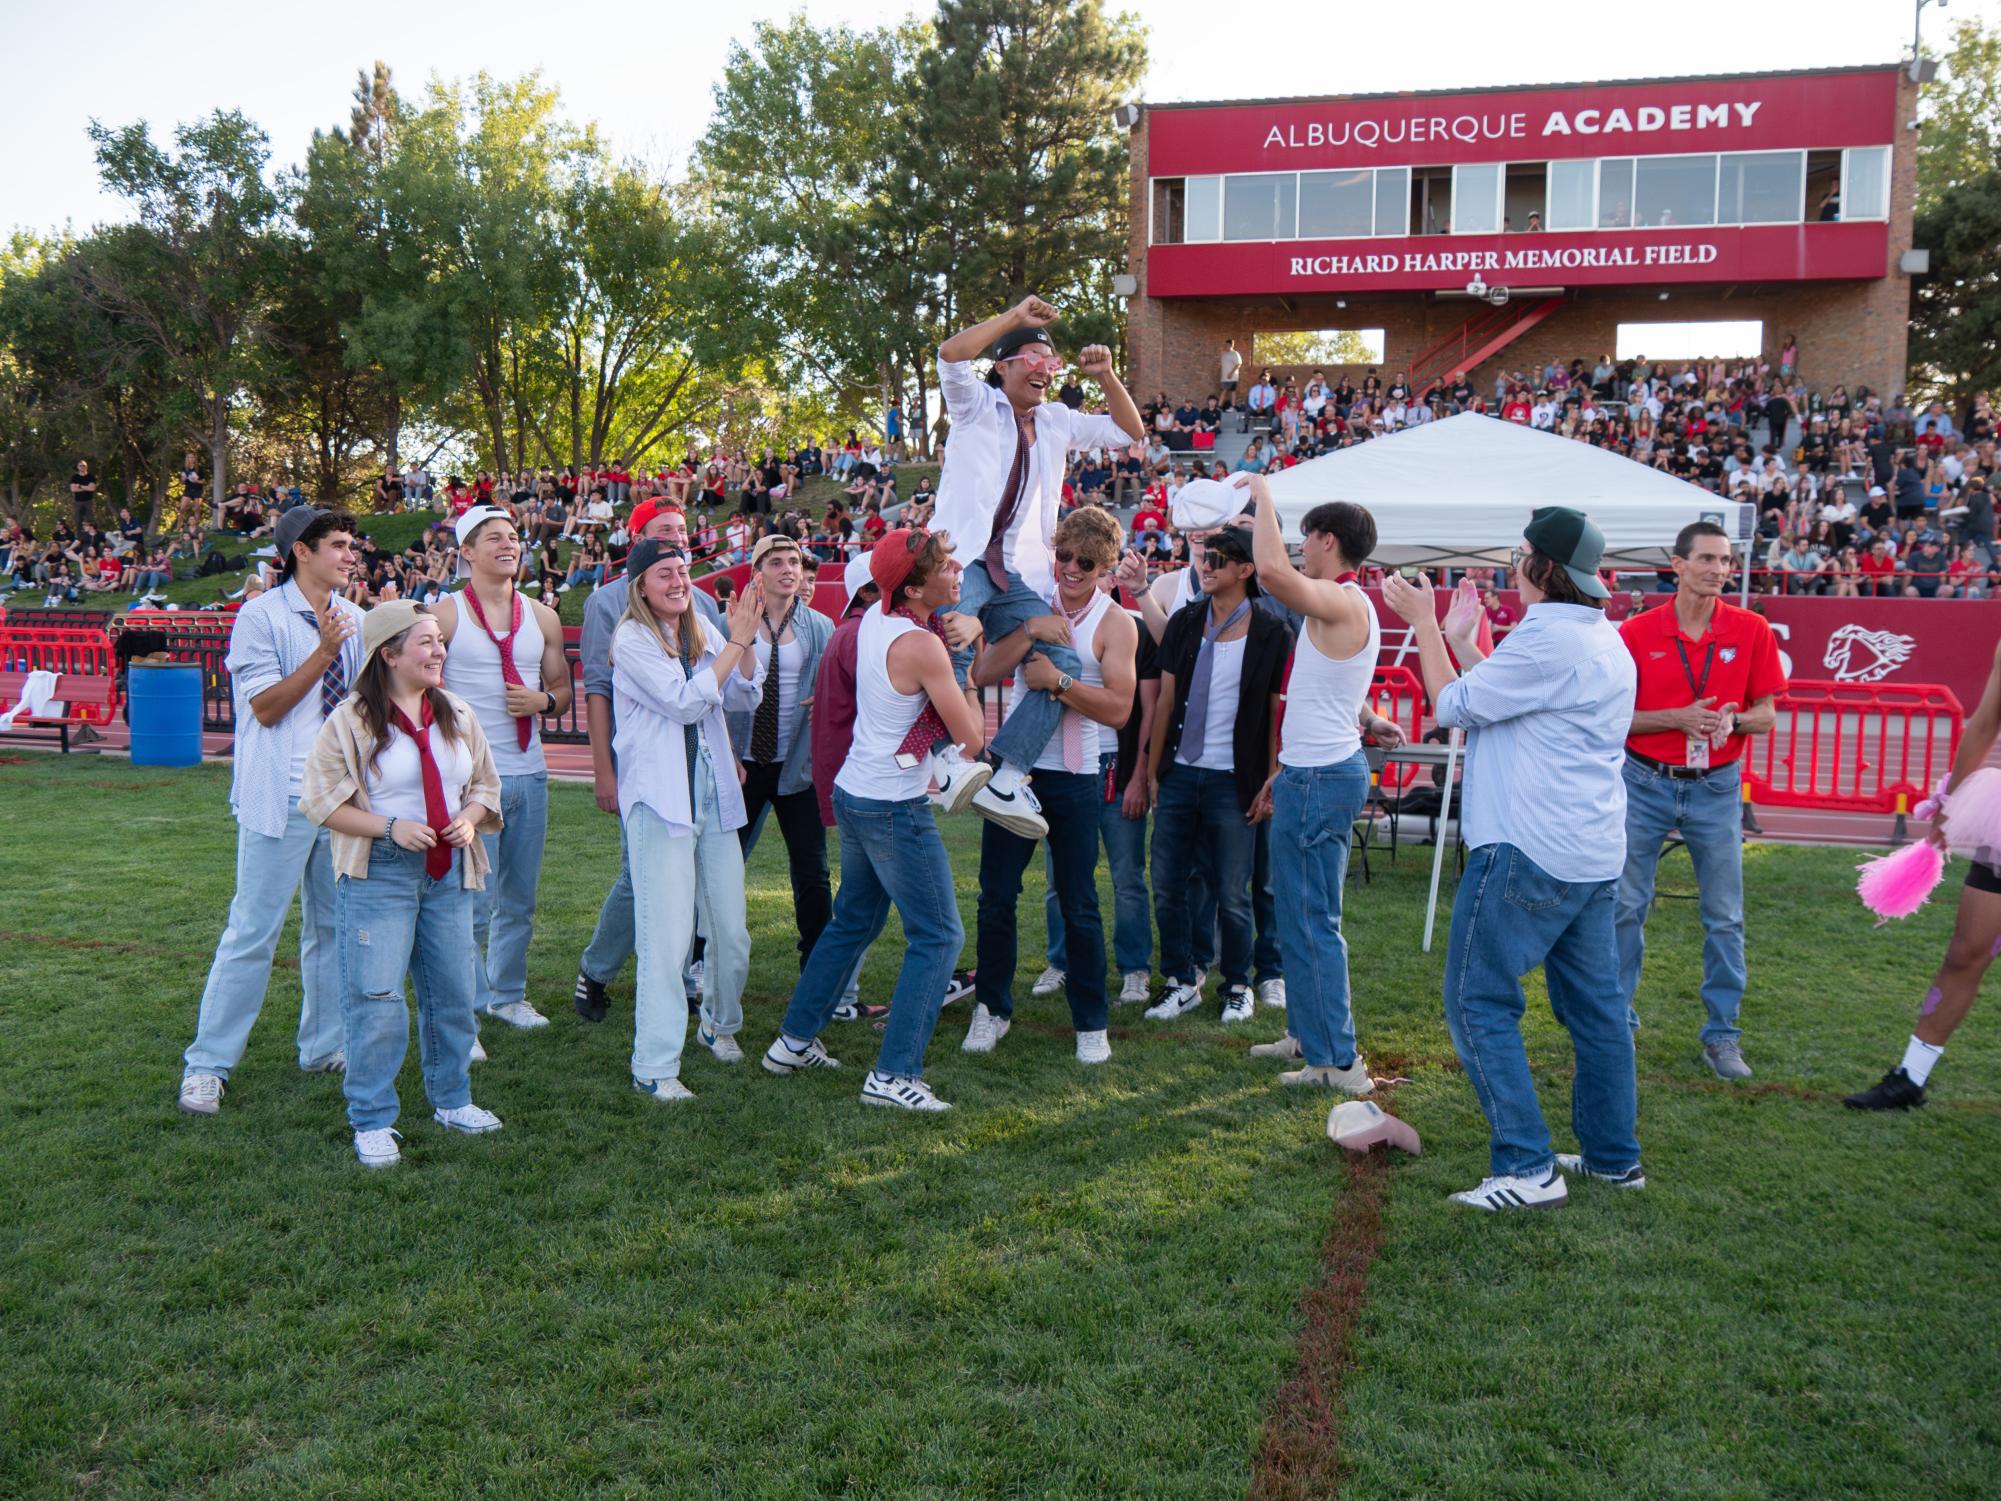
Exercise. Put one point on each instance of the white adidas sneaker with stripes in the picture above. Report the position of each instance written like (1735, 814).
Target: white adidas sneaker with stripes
(1497, 1195)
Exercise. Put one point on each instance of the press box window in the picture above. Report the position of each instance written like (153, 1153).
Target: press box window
(1572, 188)
(1669, 191)
(1260, 206)
(1764, 187)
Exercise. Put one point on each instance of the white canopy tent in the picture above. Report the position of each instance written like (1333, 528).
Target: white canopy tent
(1461, 490)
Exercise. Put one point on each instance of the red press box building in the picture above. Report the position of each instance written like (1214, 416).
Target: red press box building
(1781, 197)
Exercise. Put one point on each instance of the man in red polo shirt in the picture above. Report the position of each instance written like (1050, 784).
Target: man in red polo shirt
(1709, 676)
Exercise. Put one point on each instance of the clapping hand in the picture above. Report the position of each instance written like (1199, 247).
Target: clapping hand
(1463, 615)
(1410, 597)
(745, 612)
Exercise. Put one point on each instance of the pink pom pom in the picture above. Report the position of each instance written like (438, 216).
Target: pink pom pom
(1897, 885)
(1973, 815)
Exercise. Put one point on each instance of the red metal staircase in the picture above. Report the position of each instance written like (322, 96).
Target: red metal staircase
(1480, 338)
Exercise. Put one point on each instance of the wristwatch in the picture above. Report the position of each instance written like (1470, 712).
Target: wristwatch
(1064, 683)
(552, 701)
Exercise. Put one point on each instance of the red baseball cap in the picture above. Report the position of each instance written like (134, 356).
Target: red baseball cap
(892, 558)
(646, 510)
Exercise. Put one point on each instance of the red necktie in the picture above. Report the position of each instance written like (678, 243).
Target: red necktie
(438, 858)
(509, 673)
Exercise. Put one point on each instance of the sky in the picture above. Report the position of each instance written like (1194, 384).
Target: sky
(645, 71)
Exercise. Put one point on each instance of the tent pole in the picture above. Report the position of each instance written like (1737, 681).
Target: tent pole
(1452, 741)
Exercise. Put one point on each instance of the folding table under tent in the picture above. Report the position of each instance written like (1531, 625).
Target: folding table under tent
(1460, 491)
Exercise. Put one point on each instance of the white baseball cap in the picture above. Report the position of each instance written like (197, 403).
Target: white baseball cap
(475, 517)
(1204, 503)
(855, 575)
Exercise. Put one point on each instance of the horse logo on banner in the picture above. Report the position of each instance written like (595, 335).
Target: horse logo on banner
(1857, 654)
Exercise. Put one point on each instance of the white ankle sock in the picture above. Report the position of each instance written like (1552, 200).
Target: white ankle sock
(1918, 1060)
(1006, 779)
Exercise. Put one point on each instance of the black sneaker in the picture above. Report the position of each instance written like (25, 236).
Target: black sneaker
(591, 998)
(960, 987)
(1896, 1092)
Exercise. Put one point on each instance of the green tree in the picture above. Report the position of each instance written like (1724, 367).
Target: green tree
(1960, 114)
(1325, 347)
(1956, 306)
(1015, 145)
(193, 276)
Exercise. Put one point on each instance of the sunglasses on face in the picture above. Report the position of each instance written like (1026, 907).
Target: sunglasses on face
(1037, 357)
(1084, 565)
(1213, 560)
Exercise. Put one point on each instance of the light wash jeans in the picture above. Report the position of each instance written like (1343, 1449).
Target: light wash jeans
(400, 921)
(1022, 738)
(1313, 819)
(505, 916)
(269, 872)
(1132, 907)
(612, 941)
(1509, 917)
(1709, 815)
(890, 852)
(665, 868)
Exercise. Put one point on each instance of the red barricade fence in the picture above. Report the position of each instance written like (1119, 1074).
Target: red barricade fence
(1397, 693)
(1855, 748)
(86, 653)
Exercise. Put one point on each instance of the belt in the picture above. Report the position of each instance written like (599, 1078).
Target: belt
(1676, 773)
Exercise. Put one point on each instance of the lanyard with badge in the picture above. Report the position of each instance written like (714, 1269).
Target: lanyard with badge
(1698, 745)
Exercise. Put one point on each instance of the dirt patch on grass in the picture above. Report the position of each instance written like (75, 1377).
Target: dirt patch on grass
(1299, 1452)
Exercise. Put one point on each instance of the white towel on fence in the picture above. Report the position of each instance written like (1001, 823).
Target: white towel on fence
(36, 696)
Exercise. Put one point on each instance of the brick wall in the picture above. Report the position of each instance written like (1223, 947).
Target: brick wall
(1856, 333)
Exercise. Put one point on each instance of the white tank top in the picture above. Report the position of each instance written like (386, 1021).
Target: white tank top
(472, 671)
(1325, 696)
(1084, 638)
(882, 718)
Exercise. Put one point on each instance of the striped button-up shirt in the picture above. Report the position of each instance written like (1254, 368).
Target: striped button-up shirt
(273, 636)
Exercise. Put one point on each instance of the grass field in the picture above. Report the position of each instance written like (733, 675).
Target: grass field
(1153, 1279)
(395, 532)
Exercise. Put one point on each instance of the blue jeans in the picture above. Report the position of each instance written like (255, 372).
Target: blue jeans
(400, 921)
(1132, 912)
(1509, 917)
(504, 917)
(1071, 800)
(269, 872)
(890, 852)
(1709, 815)
(1313, 818)
(612, 940)
(665, 869)
(1198, 826)
(1023, 737)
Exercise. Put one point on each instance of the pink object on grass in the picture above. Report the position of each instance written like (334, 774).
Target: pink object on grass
(1361, 1124)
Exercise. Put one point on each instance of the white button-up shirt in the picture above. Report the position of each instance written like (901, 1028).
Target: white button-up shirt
(655, 701)
(1545, 763)
(273, 635)
(979, 455)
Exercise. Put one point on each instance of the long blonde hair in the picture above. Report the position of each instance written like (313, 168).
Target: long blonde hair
(690, 628)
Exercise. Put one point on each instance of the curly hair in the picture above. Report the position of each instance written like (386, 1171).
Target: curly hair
(1091, 533)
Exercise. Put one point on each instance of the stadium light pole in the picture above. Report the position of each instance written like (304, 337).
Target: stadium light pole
(1917, 36)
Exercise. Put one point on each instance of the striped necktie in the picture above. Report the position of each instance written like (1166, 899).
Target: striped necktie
(333, 682)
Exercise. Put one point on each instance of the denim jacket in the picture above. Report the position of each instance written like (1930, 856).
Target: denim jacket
(813, 630)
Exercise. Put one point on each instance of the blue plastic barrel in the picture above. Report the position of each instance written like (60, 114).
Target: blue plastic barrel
(163, 711)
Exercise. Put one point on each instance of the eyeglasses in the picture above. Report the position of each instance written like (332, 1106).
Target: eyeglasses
(1213, 559)
(1038, 357)
(1515, 557)
(1084, 564)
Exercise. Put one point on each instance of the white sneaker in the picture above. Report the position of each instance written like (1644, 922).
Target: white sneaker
(1573, 1163)
(986, 1030)
(1496, 1195)
(1093, 1047)
(779, 1058)
(478, 1054)
(902, 1094)
(722, 1045)
(1237, 1004)
(468, 1118)
(519, 1014)
(1048, 982)
(201, 1094)
(1137, 989)
(958, 780)
(666, 1091)
(1354, 1079)
(378, 1148)
(1286, 1047)
(1018, 812)
(1179, 1001)
(334, 1063)
(1272, 993)
(691, 978)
